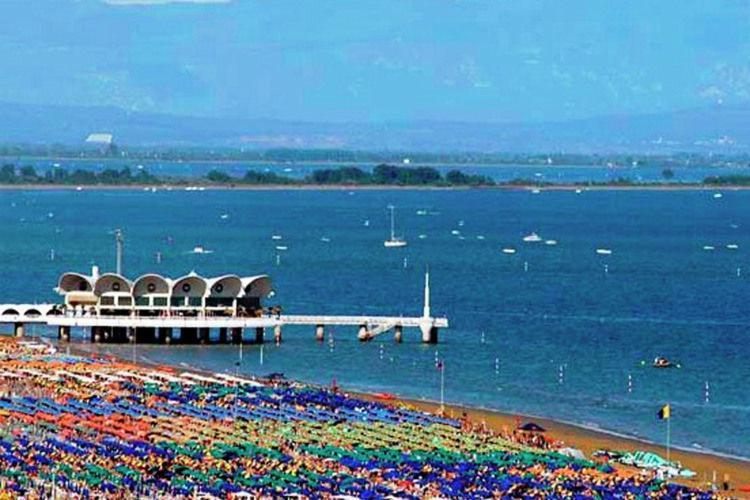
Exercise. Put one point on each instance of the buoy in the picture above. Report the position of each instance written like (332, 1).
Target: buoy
(630, 383)
(707, 394)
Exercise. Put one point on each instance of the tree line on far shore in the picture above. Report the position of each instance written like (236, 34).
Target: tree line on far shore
(380, 175)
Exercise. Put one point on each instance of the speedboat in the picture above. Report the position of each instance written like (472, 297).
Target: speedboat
(709, 247)
(509, 251)
(421, 212)
(604, 251)
(276, 237)
(532, 238)
(550, 242)
(660, 362)
(200, 249)
(718, 195)
(733, 246)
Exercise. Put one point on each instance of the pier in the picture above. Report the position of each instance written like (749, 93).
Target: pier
(193, 310)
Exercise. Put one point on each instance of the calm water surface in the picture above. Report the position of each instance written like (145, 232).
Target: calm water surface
(661, 294)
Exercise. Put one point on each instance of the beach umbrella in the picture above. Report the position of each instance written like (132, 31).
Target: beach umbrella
(531, 427)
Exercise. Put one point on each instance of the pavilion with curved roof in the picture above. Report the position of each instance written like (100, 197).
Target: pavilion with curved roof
(156, 295)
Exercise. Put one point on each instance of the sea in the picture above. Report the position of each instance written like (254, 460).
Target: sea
(553, 330)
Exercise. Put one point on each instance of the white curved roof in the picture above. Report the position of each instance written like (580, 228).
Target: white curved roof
(106, 283)
(71, 282)
(230, 285)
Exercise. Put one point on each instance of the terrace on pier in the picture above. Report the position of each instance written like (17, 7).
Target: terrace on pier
(113, 308)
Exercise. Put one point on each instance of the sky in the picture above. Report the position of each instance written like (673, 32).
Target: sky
(377, 60)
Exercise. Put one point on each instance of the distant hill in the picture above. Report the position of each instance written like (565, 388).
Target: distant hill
(716, 129)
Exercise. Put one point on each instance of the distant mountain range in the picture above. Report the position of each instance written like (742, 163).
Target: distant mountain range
(715, 129)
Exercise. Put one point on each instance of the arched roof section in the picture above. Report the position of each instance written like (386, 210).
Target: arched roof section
(10, 312)
(75, 282)
(229, 285)
(191, 285)
(112, 283)
(257, 286)
(151, 284)
(32, 313)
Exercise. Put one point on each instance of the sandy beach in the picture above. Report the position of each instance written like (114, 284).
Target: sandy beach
(588, 441)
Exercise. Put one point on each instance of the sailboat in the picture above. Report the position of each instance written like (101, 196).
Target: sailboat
(394, 242)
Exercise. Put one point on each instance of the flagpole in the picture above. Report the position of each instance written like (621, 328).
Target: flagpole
(669, 420)
(442, 388)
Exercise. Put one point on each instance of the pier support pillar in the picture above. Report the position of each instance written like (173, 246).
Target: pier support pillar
(222, 335)
(277, 334)
(165, 335)
(429, 333)
(320, 333)
(259, 331)
(18, 329)
(363, 334)
(236, 335)
(131, 334)
(398, 333)
(63, 333)
(203, 335)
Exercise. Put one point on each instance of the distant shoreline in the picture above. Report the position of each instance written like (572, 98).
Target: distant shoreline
(370, 187)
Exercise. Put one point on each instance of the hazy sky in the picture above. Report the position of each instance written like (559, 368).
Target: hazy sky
(376, 60)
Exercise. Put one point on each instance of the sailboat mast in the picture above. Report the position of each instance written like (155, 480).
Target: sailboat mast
(393, 227)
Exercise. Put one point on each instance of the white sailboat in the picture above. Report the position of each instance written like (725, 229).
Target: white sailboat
(393, 242)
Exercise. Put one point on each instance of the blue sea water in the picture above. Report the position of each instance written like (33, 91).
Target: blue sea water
(662, 293)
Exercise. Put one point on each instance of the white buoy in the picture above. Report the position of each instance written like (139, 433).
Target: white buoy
(707, 393)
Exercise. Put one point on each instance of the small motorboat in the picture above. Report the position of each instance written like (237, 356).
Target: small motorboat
(509, 251)
(200, 249)
(661, 362)
(532, 238)
(733, 246)
(604, 251)
(550, 242)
